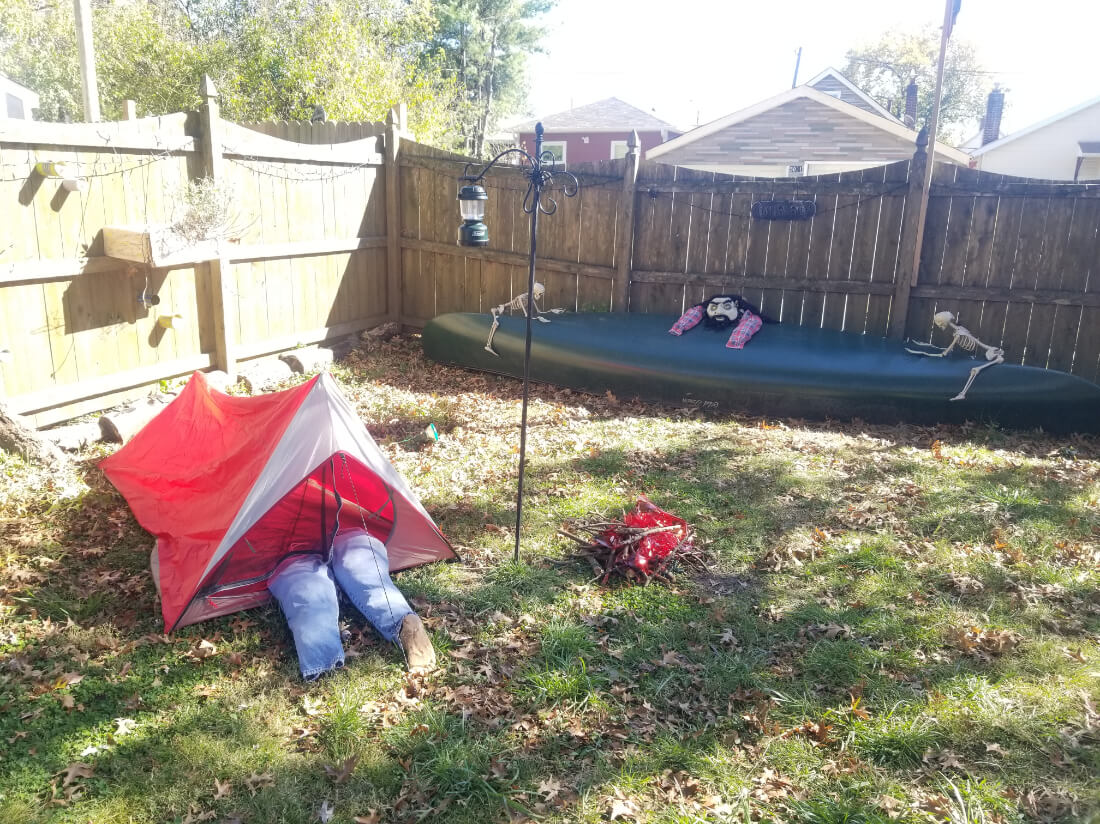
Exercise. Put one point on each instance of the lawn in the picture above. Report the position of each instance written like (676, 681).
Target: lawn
(898, 624)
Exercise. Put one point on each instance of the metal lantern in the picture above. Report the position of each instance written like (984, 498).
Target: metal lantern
(471, 204)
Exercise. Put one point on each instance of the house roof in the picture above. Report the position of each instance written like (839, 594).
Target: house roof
(974, 142)
(858, 92)
(996, 144)
(889, 125)
(610, 115)
(9, 85)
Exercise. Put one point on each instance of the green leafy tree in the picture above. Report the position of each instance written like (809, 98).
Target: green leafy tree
(485, 44)
(884, 68)
(270, 59)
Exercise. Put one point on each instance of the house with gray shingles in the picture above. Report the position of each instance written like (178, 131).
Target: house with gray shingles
(597, 131)
(821, 127)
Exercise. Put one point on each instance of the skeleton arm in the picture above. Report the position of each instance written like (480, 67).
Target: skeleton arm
(538, 312)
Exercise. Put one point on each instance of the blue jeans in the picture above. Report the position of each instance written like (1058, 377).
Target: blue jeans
(362, 570)
(307, 594)
(306, 591)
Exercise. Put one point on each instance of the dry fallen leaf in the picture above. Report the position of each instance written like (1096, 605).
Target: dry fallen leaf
(372, 817)
(67, 679)
(124, 726)
(549, 788)
(623, 808)
(75, 771)
(324, 814)
(340, 773)
(204, 649)
(257, 782)
(222, 789)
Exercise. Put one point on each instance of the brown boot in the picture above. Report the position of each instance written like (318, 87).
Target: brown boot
(414, 640)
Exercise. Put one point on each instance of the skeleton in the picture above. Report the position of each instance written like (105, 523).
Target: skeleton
(519, 302)
(965, 340)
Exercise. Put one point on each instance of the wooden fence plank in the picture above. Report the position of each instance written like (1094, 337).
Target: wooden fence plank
(817, 258)
(887, 247)
(1029, 248)
(841, 250)
(1049, 276)
(1086, 261)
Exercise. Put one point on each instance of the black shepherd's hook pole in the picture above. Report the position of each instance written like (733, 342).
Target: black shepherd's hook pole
(541, 179)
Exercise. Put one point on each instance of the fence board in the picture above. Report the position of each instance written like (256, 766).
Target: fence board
(841, 250)
(1024, 275)
(884, 266)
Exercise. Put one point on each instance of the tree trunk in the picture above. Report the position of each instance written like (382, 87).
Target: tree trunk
(20, 439)
(487, 95)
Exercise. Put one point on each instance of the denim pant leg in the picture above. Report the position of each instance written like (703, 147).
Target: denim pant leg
(362, 570)
(307, 594)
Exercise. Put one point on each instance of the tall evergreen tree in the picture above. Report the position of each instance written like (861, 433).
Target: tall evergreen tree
(485, 45)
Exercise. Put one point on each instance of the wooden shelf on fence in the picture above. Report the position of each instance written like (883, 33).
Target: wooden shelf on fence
(157, 246)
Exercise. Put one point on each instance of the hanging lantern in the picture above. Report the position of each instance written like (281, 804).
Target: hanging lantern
(471, 204)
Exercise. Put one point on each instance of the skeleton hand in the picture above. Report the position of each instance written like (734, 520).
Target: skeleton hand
(556, 311)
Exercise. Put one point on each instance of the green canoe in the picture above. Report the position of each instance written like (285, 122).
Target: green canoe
(783, 371)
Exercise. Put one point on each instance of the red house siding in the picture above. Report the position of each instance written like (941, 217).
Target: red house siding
(598, 146)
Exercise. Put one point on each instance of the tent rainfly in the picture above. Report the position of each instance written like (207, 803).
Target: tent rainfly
(230, 486)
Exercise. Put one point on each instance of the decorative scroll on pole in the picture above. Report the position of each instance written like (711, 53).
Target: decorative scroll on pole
(538, 169)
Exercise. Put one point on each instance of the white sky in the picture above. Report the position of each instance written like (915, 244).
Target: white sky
(702, 59)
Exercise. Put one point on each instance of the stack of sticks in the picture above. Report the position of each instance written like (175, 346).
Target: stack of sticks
(612, 547)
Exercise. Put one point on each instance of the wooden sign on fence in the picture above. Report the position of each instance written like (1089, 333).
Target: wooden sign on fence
(783, 209)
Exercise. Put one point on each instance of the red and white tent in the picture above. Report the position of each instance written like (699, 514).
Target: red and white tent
(232, 485)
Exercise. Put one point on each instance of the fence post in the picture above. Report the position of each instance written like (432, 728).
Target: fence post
(908, 254)
(220, 268)
(395, 124)
(624, 229)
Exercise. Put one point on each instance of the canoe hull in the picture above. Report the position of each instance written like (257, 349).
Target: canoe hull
(783, 371)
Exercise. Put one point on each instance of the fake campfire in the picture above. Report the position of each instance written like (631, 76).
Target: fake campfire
(647, 544)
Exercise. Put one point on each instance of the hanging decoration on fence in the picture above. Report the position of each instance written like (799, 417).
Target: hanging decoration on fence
(720, 312)
(783, 209)
(966, 341)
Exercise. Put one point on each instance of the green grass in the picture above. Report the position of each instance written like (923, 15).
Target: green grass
(887, 631)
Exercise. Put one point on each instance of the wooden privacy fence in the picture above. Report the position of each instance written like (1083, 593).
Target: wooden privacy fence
(310, 264)
(1017, 260)
(343, 226)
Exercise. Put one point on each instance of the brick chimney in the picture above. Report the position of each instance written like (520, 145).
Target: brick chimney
(991, 123)
(910, 119)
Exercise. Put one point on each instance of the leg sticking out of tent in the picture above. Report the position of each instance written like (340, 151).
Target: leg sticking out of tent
(363, 518)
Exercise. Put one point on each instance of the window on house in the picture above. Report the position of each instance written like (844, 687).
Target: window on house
(14, 106)
(556, 149)
(618, 149)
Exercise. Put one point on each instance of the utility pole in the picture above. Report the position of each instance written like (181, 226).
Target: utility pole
(86, 50)
(951, 8)
(797, 62)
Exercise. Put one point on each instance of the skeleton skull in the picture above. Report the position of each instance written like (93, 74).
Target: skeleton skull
(723, 309)
(943, 319)
(539, 291)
